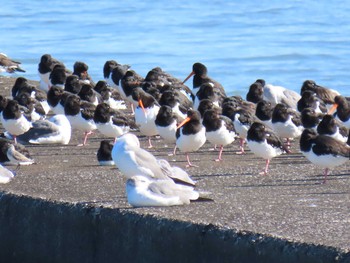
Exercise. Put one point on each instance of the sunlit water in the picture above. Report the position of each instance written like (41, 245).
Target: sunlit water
(283, 42)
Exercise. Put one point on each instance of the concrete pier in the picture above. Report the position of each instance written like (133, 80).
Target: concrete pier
(67, 208)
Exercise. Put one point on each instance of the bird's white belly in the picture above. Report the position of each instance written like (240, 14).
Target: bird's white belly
(263, 149)
(110, 130)
(192, 142)
(146, 120)
(325, 161)
(16, 127)
(168, 133)
(221, 136)
(78, 122)
(138, 198)
(287, 129)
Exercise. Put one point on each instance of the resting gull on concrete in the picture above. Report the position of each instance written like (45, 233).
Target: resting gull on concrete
(143, 191)
(132, 160)
(5, 175)
(56, 130)
(16, 157)
(279, 94)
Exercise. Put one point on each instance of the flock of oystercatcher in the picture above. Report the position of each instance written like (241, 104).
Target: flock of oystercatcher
(266, 121)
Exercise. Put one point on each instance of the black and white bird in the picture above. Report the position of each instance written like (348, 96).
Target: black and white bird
(130, 81)
(242, 119)
(200, 76)
(163, 80)
(264, 143)
(310, 118)
(80, 69)
(112, 123)
(9, 65)
(13, 120)
(286, 122)
(190, 135)
(341, 108)
(58, 76)
(22, 85)
(146, 113)
(113, 72)
(326, 95)
(87, 93)
(80, 115)
(255, 92)
(323, 151)
(179, 103)
(207, 104)
(219, 130)
(56, 98)
(73, 84)
(207, 91)
(107, 71)
(331, 127)
(110, 96)
(31, 108)
(45, 67)
(166, 124)
(264, 111)
(310, 100)
(104, 153)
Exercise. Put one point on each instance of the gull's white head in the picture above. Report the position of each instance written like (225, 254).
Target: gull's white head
(138, 181)
(129, 139)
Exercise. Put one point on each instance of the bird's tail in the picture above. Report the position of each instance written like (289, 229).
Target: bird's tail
(175, 173)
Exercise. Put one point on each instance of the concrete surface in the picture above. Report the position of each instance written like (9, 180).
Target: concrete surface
(66, 208)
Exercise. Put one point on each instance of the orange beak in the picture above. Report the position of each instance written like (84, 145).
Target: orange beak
(183, 122)
(142, 107)
(333, 108)
(191, 74)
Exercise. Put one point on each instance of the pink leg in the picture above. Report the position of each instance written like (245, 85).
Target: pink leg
(220, 153)
(266, 168)
(174, 151)
(86, 134)
(189, 164)
(15, 138)
(325, 175)
(241, 146)
(150, 143)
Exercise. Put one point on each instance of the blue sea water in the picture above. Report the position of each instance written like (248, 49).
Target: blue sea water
(283, 42)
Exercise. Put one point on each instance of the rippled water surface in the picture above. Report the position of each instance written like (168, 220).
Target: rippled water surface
(284, 42)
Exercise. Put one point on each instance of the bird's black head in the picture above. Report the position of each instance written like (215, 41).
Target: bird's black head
(199, 69)
(256, 132)
(308, 85)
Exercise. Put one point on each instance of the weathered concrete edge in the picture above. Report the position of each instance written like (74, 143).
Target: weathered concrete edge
(39, 230)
